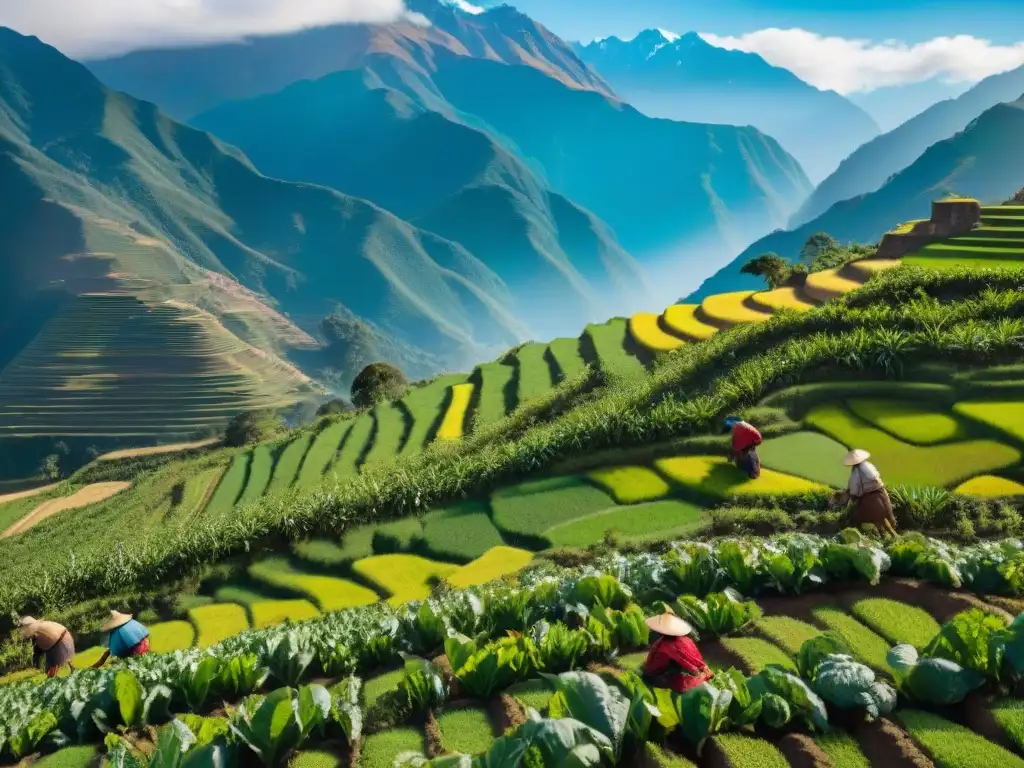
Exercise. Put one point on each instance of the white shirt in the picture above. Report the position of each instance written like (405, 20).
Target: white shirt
(864, 478)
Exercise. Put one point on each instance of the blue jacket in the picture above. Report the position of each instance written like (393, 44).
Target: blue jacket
(124, 638)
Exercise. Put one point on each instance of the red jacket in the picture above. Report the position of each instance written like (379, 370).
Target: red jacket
(744, 436)
(669, 654)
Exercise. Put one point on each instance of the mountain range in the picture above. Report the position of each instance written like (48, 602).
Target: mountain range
(982, 161)
(456, 189)
(663, 188)
(868, 168)
(686, 78)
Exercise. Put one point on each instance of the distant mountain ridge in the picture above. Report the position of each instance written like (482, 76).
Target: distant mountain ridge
(867, 169)
(132, 201)
(186, 82)
(983, 161)
(686, 78)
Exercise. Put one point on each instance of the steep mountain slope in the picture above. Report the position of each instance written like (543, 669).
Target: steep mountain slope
(984, 162)
(563, 266)
(688, 79)
(868, 168)
(679, 196)
(188, 81)
(893, 105)
(105, 194)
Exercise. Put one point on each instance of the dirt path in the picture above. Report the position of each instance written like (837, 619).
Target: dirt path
(156, 450)
(83, 497)
(27, 494)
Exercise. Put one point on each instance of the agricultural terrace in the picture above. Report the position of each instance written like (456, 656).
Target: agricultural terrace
(587, 460)
(998, 242)
(827, 652)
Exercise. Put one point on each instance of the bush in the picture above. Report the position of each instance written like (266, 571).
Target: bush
(378, 383)
(332, 407)
(252, 427)
(1017, 199)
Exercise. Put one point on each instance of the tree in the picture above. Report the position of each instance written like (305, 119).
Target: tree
(816, 244)
(332, 407)
(50, 467)
(772, 267)
(252, 427)
(377, 383)
(1017, 199)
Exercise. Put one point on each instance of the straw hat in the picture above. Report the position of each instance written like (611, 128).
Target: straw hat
(855, 457)
(116, 620)
(28, 626)
(669, 624)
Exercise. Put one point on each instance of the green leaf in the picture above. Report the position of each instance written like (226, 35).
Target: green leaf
(587, 698)
(816, 650)
(129, 694)
(313, 709)
(704, 712)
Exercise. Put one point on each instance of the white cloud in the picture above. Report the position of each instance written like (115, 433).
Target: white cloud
(95, 28)
(466, 7)
(852, 65)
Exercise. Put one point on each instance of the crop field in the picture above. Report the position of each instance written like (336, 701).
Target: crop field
(728, 309)
(346, 464)
(1006, 416)
(897, 622)
(715, 477)
(657, 519)
(402, 577)
(808, 455)
(830, 284)
(322, 453)
(682, 319)
(990, 486)
(900, 463)
(388, 435)
(460, 533)
(534, 374)
(493, 564)
(909, 422)
(608, 342)
(646, 332)
(629, 485)
(781, 298)
(912, 724)
(426, 407)
(260, 468)
(496, 393)
(326, 592)
(531, 508)
(454, 422)
(997, 243)
(286, 470)
(565, 353)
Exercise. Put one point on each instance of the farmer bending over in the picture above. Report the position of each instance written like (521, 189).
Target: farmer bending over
(127, 638)
(745, 439)
(51, 640)
(673, 661)
(867, 491)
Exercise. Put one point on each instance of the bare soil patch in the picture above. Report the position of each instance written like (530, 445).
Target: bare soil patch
(801, 751)
(90, 494)
(885, 743)
(4, 498)
(156, 450)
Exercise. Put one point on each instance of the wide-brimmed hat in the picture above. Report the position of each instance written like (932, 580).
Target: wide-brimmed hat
(27, 624)
(669, 624)
(855, 457)
(116, 620)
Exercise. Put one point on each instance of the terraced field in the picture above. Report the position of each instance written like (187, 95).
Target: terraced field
(999, 241)
(111, 366)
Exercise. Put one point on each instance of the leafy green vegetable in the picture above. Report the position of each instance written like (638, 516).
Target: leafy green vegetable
(802, 701)
(848, 684)
(720, 613)
(932, 681)
(973, 639)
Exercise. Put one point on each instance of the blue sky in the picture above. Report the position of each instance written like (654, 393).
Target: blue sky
(1001, 21)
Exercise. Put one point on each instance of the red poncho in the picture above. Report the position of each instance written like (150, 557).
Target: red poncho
(668, 654)
(744, 436)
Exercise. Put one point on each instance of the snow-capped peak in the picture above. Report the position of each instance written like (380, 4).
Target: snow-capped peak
(465, 7)
(670, 37)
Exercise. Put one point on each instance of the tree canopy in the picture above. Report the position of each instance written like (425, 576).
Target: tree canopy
(378, 383)
(773, 268)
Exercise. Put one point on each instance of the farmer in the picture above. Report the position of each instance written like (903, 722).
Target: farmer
(51, 640)
(673, 661)
(745, 439)
(867, 491)
(127, 638)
